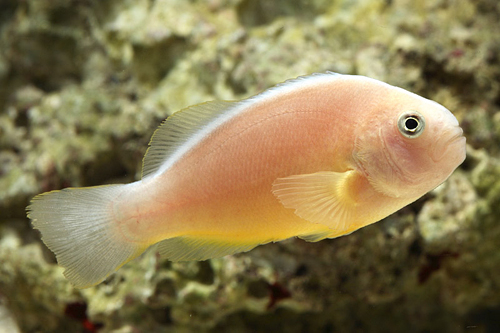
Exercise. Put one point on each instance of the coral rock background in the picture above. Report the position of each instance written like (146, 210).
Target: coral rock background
(84, 83)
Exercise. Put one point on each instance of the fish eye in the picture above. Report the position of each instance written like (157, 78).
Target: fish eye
(411, 124)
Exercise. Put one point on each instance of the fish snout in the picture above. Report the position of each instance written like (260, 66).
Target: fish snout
(450, 145)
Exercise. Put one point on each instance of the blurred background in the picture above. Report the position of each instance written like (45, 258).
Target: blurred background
(84, 84)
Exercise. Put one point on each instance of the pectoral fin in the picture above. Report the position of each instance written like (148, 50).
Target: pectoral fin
(328, 198)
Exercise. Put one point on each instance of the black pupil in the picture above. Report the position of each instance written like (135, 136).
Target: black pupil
(411, 123)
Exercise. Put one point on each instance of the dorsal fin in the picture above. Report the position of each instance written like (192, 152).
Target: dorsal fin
(182, 130)
(178, 129)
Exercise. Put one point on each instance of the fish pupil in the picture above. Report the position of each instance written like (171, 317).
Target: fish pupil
(411, 124)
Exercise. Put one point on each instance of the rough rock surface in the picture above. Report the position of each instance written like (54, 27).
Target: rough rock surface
(84, 83)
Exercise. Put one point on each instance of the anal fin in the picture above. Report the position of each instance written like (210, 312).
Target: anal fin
(186, 248)
(316, 237)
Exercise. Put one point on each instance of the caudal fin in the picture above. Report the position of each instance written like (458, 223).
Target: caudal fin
(78, 225)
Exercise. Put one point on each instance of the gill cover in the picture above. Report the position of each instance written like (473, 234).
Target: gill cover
(385, 153)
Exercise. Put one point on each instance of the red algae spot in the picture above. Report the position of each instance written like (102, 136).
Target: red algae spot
(277, 292)
(433, 264)
(457, 53)
(78, 311)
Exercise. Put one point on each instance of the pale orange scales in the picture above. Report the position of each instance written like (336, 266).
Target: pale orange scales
(316, 157)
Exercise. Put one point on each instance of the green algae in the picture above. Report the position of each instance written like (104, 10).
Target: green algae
(83, 85)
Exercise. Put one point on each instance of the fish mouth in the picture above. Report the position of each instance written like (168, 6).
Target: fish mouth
(456, 137)
(459, 135)
(455, 145)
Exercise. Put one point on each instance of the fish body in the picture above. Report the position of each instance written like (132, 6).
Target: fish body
(316, 157)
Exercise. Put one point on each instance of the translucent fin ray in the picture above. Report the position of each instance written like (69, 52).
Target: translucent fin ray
(77, 225)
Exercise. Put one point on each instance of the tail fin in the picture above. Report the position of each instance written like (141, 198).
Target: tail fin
(78, 225)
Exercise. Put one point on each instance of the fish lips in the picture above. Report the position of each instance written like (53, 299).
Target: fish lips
(450, 146)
